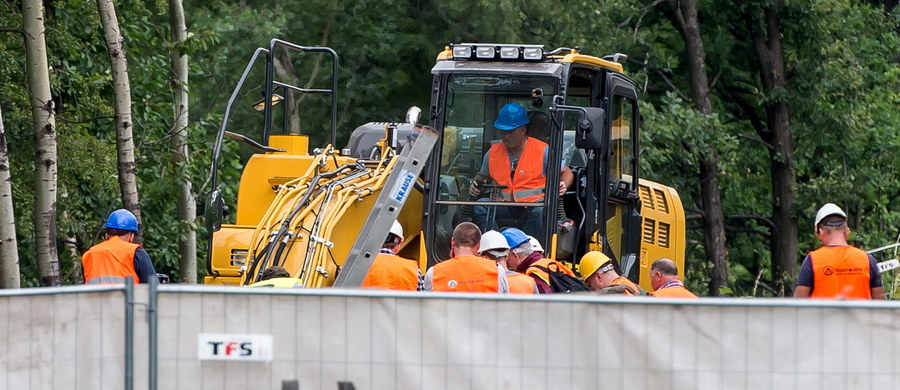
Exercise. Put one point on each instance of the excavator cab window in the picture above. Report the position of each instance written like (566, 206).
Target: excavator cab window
(622, 215)
(473, 142)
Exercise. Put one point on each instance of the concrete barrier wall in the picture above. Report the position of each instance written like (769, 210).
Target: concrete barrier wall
(62, 338)
(74, 339)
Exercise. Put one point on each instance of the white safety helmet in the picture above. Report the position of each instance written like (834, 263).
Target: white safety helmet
(494, 243)
(828, 210)
(535, 244)
(397, 230)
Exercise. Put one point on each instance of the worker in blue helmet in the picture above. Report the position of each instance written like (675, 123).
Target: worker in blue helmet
(513, 170)
(525, 260)
(118, 257)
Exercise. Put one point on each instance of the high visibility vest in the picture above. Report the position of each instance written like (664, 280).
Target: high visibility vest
(110, 262)
(526, 182)
(673, 292)
(519, 284)
(840, 272)
(535, 272)
(466, 274)
(630, 287)
(278, 283)
(392, 272)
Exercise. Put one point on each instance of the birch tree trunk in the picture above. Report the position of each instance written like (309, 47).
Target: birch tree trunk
(187, 208)
(43, 116)
(683, 15)
(9, 251)
(127, 167)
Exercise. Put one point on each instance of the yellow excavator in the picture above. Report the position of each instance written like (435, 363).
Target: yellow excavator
(323, 215)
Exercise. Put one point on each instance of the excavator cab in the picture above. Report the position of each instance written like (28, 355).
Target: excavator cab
(322, 213)
(583, 110)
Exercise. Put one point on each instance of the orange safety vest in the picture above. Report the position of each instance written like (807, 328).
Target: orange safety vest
(110, 262)
(465, 274)
(630, 287)
(526, 182)
(519, 284)
(840, 272)
(534, 271)
(673, 292)
(392, 272)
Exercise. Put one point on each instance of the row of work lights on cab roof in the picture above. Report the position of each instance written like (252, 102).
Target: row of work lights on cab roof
(480, 51)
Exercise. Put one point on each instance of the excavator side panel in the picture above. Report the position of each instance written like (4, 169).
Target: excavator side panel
(663, 228)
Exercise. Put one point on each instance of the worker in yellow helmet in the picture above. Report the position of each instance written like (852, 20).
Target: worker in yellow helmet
(277, 277)
(600, 275)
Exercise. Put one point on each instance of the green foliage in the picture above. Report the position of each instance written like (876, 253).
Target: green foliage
(843, 89)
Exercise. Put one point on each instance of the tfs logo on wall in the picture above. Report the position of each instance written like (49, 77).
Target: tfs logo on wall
(239, 347)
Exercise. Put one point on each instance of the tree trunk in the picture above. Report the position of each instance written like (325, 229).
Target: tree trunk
(778, 134)
(187, 209)
(9, 250)
(683, 15)
(127, 167)
(43, 116)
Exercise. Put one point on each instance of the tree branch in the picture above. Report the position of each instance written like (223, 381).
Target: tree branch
(672, 86)
(644, 11)
(755, 120)
(757, 140)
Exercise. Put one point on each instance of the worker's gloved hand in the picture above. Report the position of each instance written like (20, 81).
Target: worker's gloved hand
(474, 191)
(475, 187)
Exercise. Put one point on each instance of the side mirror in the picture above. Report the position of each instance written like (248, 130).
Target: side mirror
(589, 134)
(215, 211)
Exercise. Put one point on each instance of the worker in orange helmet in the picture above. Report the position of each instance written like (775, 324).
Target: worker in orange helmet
(118, 257)
(466, 271)
(494, 247)
(837, 270)
(664, 280)
(600, 275)
(393, 272)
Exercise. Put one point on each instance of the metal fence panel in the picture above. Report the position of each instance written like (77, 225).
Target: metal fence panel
(73, 338)
(62, 338)
(402, 341)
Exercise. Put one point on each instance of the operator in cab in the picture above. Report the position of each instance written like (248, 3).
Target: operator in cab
(516, 168)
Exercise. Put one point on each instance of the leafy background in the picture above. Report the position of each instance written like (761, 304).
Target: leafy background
(843, 91)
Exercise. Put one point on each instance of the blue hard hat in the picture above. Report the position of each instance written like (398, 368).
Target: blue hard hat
(511, 117)
(514, 237)
(123, 220)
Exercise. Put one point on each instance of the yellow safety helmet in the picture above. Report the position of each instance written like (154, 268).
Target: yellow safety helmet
(593, 261)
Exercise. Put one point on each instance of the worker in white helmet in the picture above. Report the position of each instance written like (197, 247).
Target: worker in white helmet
(495, 247)
(535, 245)
(837, 270)
(393, 272)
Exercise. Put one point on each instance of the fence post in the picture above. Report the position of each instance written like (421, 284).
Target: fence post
(129, 333)
(153, 319)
